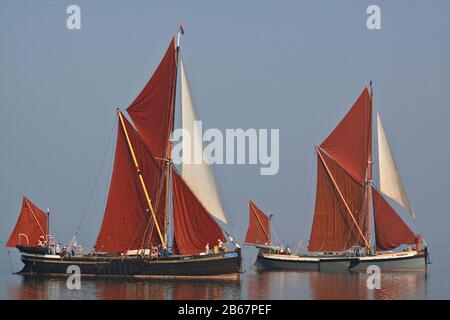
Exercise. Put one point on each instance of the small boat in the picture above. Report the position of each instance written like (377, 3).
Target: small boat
(134, 235)
(341, 237)
(259, 231)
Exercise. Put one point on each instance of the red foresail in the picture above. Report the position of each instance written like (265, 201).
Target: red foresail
(152, 110)
(258, 226)
(390, 230)
(30, 226)
(337, 193)
(350, 142)
(193, 226)
(127, 222)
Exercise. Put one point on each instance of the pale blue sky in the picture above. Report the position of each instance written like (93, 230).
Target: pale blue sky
(292, 65)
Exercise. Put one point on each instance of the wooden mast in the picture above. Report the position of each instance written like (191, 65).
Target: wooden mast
(141, 179)
(341, 196)
(170, 144)
(369, 170)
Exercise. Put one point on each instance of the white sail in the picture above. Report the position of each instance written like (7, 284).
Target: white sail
(196, 171)
(390, 182)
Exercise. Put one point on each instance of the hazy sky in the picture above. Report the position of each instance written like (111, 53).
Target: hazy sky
(293, 65)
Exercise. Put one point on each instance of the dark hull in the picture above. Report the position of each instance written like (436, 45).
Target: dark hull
(387, 262)
(221, 265)
(266, 262)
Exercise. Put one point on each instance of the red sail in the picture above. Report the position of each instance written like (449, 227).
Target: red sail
(333, 229)
(30, 226)
(193, 226)
(152, 110)
(258, 226)
(341, 181)
(350, 142)
(390, 230)
(127, 222)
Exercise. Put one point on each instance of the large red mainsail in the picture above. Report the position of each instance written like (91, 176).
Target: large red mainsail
(30, 226)
(333, 228)
(127, 222)
(193, 225)
(340, 218)
(152, 110)
(390, 230)
(258, 226)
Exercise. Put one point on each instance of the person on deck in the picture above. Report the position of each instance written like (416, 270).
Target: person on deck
(207, 248)
(41, 242)
(220, 244)
(64, 251)
(58, 249)
(73, 249)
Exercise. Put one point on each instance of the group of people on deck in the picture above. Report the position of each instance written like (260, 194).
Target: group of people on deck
(56, 248)
(216, 249)
(278, 249)
(158, 251)
(283, 250)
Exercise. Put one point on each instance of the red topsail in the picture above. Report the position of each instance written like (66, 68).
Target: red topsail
(258, 226)
(350, 142)
(30, 226)
(152, 110)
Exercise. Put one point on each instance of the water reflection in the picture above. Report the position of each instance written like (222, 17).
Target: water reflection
(398, 286)
(277, 285)
(36, 287)
(344, 285)
(253, 285)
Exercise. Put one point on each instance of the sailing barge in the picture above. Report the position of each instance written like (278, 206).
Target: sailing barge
(341, 231)
(134, 235)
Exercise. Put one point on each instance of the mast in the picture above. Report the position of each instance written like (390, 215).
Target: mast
(48, 222)
(369, 168)
(141, 179)
(269, 226)
(170, 144)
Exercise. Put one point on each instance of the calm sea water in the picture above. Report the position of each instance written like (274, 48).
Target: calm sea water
(435, 284)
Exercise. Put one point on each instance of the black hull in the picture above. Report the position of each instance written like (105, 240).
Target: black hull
(220, 265)
(265, 263)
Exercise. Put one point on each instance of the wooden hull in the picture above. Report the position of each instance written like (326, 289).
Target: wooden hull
(402, 261)
(220, 265)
